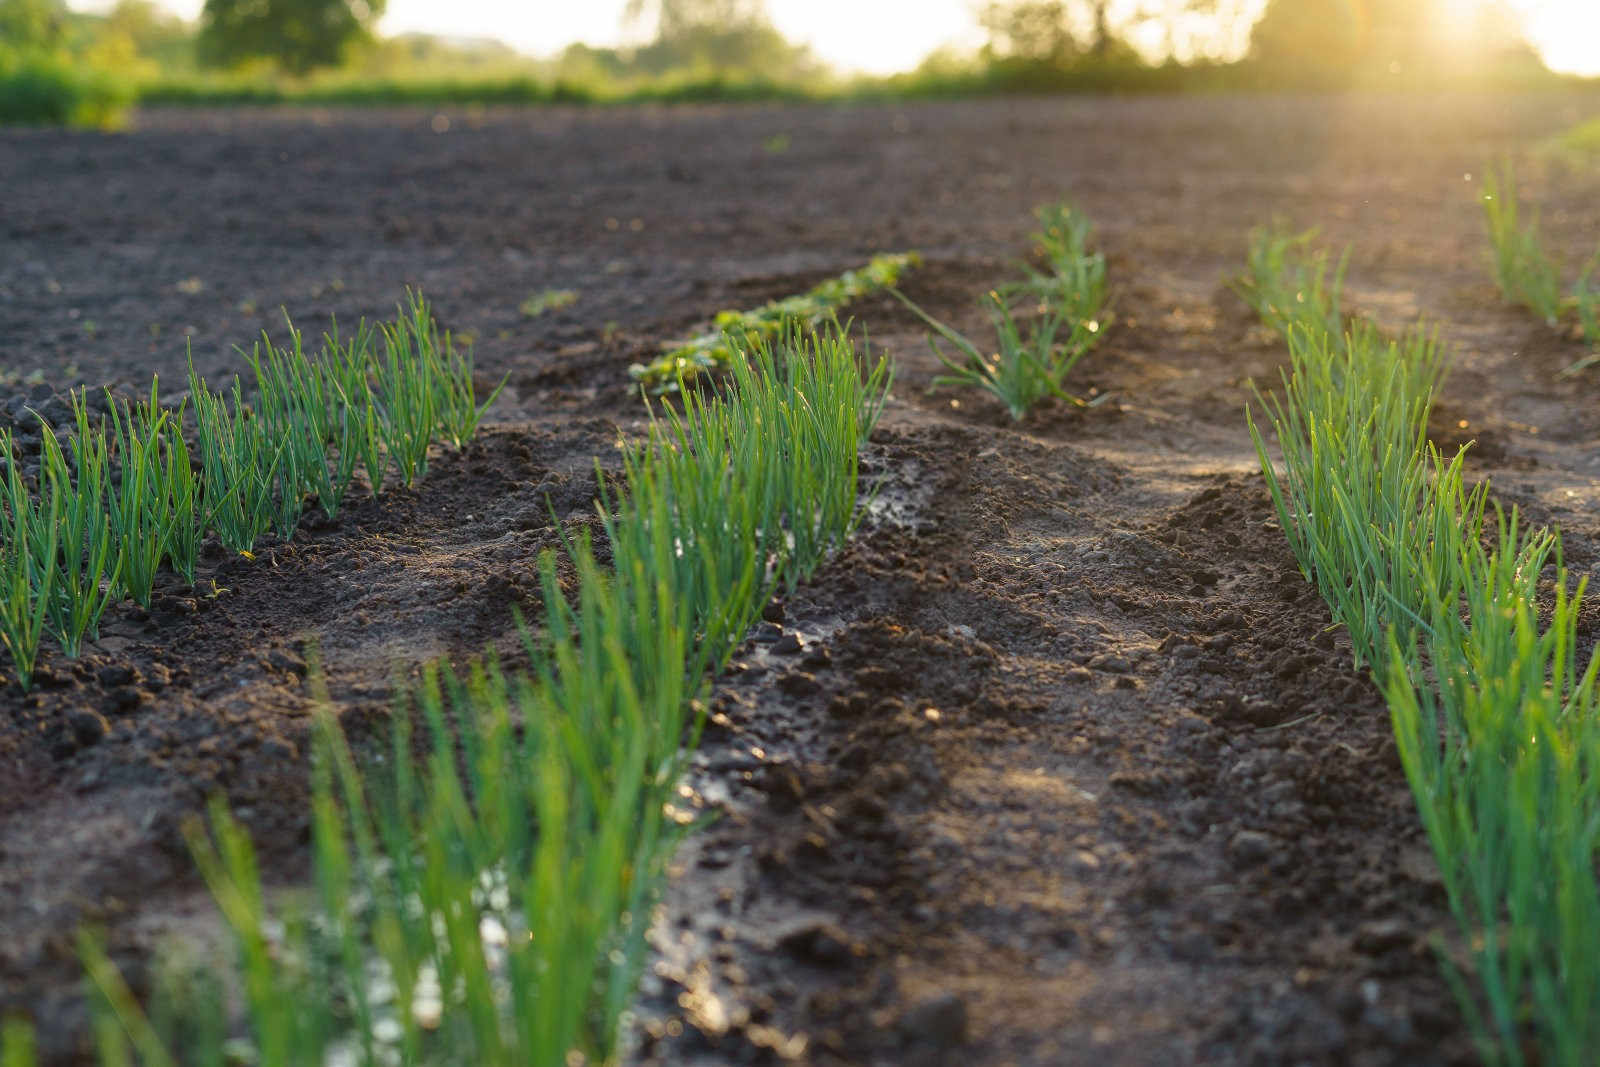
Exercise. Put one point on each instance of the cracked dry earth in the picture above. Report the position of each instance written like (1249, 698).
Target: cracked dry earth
(1058, 763)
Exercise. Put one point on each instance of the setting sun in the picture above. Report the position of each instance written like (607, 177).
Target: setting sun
(1566, 33)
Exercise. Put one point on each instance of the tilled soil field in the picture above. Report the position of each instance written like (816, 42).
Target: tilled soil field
(1058, 763)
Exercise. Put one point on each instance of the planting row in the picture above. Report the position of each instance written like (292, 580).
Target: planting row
(716, 348)
(1044, 323)
(1064, 309)
(490, 906)
(142, 488)
(1496, 721)
(487, 906)
(1528, 275)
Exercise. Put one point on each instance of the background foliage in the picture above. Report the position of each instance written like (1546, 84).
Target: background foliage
(59, 66)
(298, 36)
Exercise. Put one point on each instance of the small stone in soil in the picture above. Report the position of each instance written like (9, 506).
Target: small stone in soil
(848, 706)
(819, 942)
(816, 658)
(1251, 847)
(1110, 663)
(788, 645)
(286, 661)
(799, 684)
(1381, 935)
(87, 727)
(940, 1021)
(122, 699)
(115, 674)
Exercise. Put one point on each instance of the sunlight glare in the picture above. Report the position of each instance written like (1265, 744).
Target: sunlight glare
(1566, 33)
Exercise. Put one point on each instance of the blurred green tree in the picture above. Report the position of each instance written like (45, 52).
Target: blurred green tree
(1030, 31)
(1061, 33)
(1316, 36)
(718, 38)
(680, 18)
(139, 32)
(298, 36)
(1331, 38)
(33, 25)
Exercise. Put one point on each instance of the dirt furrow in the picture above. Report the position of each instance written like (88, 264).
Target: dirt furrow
(1076, 774)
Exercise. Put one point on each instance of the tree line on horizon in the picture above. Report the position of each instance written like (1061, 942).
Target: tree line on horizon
(1027, 43)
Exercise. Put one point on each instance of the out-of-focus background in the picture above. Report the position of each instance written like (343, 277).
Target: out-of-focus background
(87, 61)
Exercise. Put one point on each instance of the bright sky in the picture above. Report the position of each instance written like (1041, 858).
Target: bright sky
(879, 36)
(1566, 32)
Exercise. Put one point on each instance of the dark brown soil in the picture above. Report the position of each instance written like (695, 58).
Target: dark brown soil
(1064, 765)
